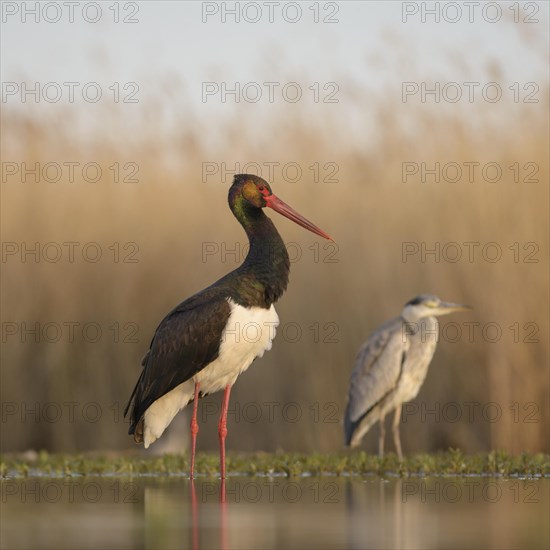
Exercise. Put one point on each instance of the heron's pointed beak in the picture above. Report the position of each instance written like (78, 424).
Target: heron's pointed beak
(449, 307)
(281, 207)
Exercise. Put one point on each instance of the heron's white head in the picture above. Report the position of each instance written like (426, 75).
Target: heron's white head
(428, 305)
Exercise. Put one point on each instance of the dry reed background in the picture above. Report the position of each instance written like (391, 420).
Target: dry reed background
(370, 212)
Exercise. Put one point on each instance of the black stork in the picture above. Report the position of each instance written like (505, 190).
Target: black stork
(198, 348)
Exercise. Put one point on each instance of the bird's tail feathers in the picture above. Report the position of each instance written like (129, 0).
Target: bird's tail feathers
(355, 430)
(349, 427)
(138, 431)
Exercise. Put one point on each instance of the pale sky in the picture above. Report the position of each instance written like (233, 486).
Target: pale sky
(170, 37)
(369, 45)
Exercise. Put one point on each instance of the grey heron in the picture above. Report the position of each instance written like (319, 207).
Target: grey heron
(391, 366)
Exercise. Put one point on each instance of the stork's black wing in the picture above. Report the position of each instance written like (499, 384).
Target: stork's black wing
(186, 340)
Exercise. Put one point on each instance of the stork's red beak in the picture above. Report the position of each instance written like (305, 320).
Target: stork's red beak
(282, 208)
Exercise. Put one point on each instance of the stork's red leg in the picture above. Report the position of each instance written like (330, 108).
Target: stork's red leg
(222, 429)
(194, 429)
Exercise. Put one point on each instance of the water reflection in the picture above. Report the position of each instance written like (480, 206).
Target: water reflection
(173, 512)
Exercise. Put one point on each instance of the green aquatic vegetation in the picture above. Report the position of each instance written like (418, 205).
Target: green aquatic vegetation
(452, 462)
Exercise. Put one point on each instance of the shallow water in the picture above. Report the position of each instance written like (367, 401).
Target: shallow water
(328, 512)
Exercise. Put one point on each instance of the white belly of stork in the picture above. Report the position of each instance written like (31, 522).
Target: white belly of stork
(248, 334)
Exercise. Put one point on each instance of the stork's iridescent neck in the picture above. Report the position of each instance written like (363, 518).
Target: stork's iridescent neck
(263, 276)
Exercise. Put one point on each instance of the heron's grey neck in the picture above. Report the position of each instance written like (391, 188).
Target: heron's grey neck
(409, 315)
(426, 328)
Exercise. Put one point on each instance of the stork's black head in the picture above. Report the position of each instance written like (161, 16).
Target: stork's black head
(251, 188)
(250, 192)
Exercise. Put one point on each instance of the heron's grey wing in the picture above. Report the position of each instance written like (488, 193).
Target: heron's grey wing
(377, 368)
